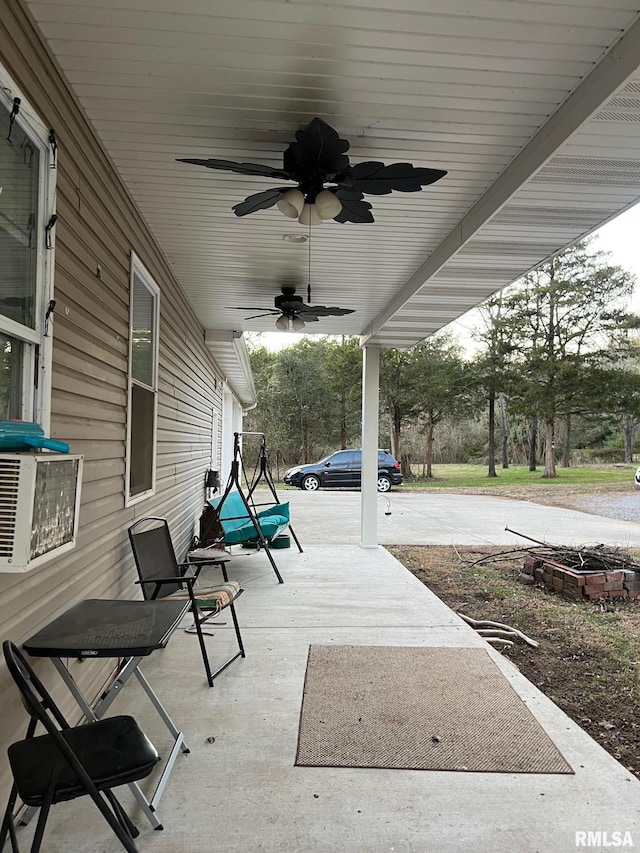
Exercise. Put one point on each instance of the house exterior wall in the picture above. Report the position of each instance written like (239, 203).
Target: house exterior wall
(99, 225)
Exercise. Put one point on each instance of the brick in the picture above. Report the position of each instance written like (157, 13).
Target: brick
(596, 578)
(574, 573)
(595, 595)
(539, 574)
(574, 592)
(614, 575)
(617, 593)
(633, 593)
(612, 586)
(530, 564)
(558, 584)
(525, 578)
(573, 579)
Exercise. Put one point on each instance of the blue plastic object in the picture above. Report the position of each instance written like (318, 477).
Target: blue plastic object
(25, 435)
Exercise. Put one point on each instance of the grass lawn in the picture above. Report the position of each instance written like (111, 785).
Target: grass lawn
(474, 476)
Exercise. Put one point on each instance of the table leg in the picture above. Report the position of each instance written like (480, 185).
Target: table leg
(130, 668)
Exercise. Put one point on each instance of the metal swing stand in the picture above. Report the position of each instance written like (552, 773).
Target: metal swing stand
(261, 472)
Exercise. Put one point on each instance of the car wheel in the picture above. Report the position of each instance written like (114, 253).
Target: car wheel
(310, 483)
(384, 483)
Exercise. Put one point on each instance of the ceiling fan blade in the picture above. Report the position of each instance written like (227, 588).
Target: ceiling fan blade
(240, 168)
(318, 157)
(249, 308)
(354, 210)
(377, 179)
(325, 311)
(258, 201)
(268, 313)
(318, 150)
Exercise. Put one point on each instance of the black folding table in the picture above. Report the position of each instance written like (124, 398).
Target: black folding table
(105, 628)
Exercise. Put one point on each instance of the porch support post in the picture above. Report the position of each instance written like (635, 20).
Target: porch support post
(370, 404)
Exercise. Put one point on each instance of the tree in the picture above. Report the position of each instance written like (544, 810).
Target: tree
(308, 397)
(446, 386)
(491, 366)
(425, 384)
(560, 321)
(343, 363)
(399, 395)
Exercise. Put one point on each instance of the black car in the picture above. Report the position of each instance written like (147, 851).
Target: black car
(343, 468)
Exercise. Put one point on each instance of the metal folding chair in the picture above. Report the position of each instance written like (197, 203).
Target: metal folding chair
(69, 762)
(161, 575)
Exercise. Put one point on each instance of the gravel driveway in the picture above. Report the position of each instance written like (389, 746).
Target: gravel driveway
(624, 506)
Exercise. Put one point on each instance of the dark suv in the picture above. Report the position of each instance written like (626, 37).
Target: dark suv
(343, 469)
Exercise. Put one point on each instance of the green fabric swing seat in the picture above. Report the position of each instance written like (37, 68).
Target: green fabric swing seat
(238, 528)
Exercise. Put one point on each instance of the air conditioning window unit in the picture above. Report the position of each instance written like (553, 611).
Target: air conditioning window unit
(39, 507)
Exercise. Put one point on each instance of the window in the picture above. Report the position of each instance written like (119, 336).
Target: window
(143, 383)
(342, 459)
(27, 198)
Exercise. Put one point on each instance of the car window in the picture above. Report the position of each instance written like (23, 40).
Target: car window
(341, 459)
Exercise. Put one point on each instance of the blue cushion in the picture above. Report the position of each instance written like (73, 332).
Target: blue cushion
(237, 525)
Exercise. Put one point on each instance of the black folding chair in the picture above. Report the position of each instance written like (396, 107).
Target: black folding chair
(160, 575)
(69, 762)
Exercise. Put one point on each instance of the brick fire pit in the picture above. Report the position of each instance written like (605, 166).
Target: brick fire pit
(581, 584)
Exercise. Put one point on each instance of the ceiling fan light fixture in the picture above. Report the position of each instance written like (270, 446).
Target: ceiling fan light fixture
(291, 203)
(297, 324)
(327, 204)
(309, 215)
(282, 323)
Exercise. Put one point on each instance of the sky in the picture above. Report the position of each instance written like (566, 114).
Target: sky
(620, 237)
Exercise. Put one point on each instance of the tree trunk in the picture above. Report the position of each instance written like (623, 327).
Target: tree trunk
(533, 443)
(629, 425)
(492, 435)
(504, 429)
(394, 432)
(566, 447)
(343, 421)
(306, 455)
(549, 449)
(429, 446)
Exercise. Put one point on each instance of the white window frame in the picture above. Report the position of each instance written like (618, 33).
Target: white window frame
(139, 269)
(36, 401)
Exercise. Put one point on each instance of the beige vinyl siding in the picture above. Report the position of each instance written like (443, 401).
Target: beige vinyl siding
(98, 224)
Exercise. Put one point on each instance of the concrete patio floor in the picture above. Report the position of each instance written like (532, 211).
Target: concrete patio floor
(243, 793)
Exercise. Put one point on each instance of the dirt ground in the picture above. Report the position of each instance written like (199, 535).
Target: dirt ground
(588, 661)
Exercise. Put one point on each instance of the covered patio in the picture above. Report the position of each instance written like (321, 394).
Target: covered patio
(531, 108)
(241, 792)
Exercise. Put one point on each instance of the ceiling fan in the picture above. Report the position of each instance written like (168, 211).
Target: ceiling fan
(293, 312)
(316, 159)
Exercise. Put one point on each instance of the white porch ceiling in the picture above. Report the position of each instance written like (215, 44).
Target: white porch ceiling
(533, 108)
